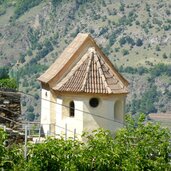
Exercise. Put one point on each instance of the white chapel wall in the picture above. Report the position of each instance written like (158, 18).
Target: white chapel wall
(104, 114)
(45, 111)
(86, 117)
(64, 120)
(59, 124)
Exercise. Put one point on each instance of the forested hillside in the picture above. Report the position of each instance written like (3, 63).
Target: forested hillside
(135, 35)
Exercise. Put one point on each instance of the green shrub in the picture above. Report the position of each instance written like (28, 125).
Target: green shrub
(158, 48)
(8, 83)
(30, 108)
(125, 52)
(140, 145)
(139, 42)
(30, 116)
(24, 5)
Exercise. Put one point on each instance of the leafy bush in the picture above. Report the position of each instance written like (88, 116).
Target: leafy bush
(8, 83)
(2, 10)
(158, 48)
(23, 103)
(160, 69)
(33, 36)
(126, 39)
(122, 6)
(36, 96)
(48, 47)
(146, 103)
(128, 69)
(139, 42)
(125, 52)
(167, 27)
(22, 58)
(122, 41)
(30, 108)
(139, 145)
(30, 116)
(141, 70)
(148, 100)
(55, 2)
(10, 156)
(164, 56)
(30, 70)
(113, 36)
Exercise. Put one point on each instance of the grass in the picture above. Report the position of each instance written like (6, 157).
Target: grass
(4, 19)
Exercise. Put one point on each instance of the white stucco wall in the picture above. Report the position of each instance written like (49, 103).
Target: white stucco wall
(86, 117)
(58, 125)
(45, 111)
(63, 119)
(103, 114)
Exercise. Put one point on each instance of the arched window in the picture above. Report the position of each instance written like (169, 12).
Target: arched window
(118, 111)
(71, 109)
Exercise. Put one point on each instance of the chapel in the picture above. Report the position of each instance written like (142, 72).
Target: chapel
(82, 91)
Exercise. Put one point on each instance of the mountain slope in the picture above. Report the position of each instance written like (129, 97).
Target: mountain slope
(131, 33)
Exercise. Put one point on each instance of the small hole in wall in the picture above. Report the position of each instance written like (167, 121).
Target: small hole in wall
(94, 102)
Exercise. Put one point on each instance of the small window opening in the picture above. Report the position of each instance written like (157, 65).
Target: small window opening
(46, 93)
(71, 109)
(94, 102)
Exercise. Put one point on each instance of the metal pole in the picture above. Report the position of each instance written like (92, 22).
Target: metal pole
(75, 133)
(29, 134)
(39, 132)
(25, 144)
(65, 131)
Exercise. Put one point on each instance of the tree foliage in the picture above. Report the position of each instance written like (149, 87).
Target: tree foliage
(140, 145)
(146, 103)
(8, 83)
(5, 81)
(4, 72)
(55, 2)
(143, 145)
(160, 69)
(24, 5)
(139, 42)
(10, 156)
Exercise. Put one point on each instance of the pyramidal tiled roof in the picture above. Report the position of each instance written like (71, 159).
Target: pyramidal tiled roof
(90, 72)
(91, 75)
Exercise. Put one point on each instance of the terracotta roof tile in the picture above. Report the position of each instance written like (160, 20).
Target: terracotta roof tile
(81, 68)
(91, 75)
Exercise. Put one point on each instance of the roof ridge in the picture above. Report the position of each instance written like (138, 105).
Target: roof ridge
(87, 70)
(101, 73)
(72, 72)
